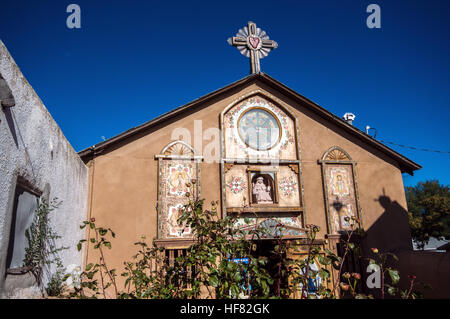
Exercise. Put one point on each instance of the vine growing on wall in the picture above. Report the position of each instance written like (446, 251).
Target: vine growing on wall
(42, 250)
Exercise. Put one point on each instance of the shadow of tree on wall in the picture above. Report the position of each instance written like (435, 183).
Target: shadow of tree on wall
(391, 231)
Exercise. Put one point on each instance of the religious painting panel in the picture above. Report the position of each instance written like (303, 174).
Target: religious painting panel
(341, 196)
(175, 177)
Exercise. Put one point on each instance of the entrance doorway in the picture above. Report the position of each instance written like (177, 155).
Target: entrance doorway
(274, 266)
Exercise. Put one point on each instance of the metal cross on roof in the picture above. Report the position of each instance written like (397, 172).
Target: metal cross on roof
(254, 43)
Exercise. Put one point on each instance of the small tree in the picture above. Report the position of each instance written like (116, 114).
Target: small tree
(428, 211)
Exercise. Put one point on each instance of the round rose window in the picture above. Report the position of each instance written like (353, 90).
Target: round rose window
(259, 129)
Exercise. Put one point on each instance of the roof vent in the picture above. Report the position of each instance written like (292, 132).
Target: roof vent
(349, 118)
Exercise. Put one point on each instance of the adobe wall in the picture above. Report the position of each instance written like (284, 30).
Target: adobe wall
(124, 178)
(33, 147)
(432, 268)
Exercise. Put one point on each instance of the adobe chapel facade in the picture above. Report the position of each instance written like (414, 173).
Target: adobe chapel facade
(278, 156)
(264, 152)
(260, 149)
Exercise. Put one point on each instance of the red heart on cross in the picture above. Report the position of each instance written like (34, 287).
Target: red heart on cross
(254, 42)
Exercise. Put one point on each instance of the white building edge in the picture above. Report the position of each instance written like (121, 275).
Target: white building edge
(35, 160)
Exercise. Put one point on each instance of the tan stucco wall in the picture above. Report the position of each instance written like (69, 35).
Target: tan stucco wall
(124, 182)
(431, 268)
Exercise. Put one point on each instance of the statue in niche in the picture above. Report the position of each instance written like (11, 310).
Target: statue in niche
(262, 191)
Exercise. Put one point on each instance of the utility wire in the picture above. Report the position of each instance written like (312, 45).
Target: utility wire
(415, 148)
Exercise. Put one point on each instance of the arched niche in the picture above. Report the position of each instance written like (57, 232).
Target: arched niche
(263, 188)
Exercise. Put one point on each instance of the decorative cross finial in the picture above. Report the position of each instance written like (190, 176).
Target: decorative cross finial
(254, 43)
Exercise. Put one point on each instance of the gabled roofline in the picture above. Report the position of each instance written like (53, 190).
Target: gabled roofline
(120, 137)
(406, 165)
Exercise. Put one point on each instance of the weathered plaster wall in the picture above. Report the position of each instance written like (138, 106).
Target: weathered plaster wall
(33, 147)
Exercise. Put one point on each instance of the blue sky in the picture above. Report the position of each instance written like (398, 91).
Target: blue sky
(134, 60)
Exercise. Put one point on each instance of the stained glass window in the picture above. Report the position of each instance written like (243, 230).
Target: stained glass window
(259, 129)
